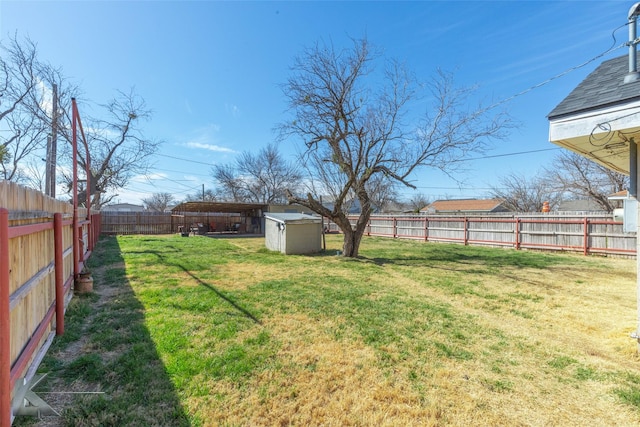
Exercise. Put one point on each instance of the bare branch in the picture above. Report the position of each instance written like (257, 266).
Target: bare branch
(358, 141)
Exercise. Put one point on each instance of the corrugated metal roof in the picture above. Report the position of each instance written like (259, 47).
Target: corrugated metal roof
(217, 207)
(603, 87)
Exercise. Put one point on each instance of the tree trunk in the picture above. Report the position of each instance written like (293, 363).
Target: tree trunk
(353, 236)
(351, 243)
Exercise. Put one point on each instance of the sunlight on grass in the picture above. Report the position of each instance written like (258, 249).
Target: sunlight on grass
(407, 334)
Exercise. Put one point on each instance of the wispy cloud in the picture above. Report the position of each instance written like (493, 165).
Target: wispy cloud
(149, 177)
(210, 147)
(233, 109)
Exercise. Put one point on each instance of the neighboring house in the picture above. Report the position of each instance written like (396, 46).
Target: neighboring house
(579, 205)
(618, 199)
(600, 117)
(123, 207)
(466, 206)
(352, 205)
(626, 210)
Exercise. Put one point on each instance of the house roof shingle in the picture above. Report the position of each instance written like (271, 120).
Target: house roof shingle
(599, 90)
(462, 205)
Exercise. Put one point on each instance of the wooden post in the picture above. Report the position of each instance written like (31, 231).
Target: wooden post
(426, 229)
(517, 233)
(5, 326)
(59, 272)
(464, 228)
(586, 236)
(74, 143)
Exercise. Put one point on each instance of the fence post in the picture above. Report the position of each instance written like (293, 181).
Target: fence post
(464, 230)
(395, 227)
(517, 225)
(59, 272)
(586, 236)
(5, 326)
(426, 229)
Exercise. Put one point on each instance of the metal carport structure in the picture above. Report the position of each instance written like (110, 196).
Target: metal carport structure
(219, 216)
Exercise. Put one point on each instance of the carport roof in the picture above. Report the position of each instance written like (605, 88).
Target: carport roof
(217, 207)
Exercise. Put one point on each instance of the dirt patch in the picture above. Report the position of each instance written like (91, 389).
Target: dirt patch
(59, 394)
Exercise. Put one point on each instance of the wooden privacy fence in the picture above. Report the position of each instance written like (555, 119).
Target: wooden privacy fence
(114, 222)
(39, 260)
(592, 234)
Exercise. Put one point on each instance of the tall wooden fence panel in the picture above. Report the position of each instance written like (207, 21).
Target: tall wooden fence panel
(114, 222)
(589, 234)
(36, 278)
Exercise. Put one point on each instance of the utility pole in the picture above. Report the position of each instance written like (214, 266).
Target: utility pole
(47, 168)
(52, 142)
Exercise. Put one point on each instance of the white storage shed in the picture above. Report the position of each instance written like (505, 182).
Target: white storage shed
(293, 233)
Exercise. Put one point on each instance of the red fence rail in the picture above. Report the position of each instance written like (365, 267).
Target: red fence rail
(13, 369)
(42, 251)
(593, 234)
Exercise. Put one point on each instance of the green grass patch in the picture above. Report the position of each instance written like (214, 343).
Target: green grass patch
(204, 331)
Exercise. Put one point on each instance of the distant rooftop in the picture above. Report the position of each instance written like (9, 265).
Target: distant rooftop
(465, 205)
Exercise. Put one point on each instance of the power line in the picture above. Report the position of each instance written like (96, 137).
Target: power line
(186, 160)
(511, 154)
(186, 173)
(564, 73)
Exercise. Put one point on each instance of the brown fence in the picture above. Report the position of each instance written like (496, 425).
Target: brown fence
(589, 234)
(38, 263)
(114, 222)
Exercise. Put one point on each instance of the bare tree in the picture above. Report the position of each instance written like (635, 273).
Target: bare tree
(585, 179)
(118, 148)
(230, 184)
(352, 123)
(383, 192)
(260, 178)
(526, 195)
(418, 201)
(158, 202)
(23, 134)
(208, 196)
(34, 174)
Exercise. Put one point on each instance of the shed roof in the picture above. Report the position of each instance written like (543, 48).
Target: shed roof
(293, 217)
(217, 207)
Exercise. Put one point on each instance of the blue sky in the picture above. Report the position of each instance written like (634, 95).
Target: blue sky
(211, 70)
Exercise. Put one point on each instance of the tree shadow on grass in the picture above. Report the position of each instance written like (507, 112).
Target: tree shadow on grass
(201, 282)
(106, 360)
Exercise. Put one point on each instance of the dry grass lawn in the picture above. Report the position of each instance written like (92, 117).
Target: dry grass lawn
(410, 334)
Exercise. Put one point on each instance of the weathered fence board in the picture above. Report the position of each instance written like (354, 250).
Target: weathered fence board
(114, 222)
(36, 277)
(593, 233)
(589, 234)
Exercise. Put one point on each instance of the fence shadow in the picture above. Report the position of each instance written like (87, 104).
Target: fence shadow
(107, 359)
